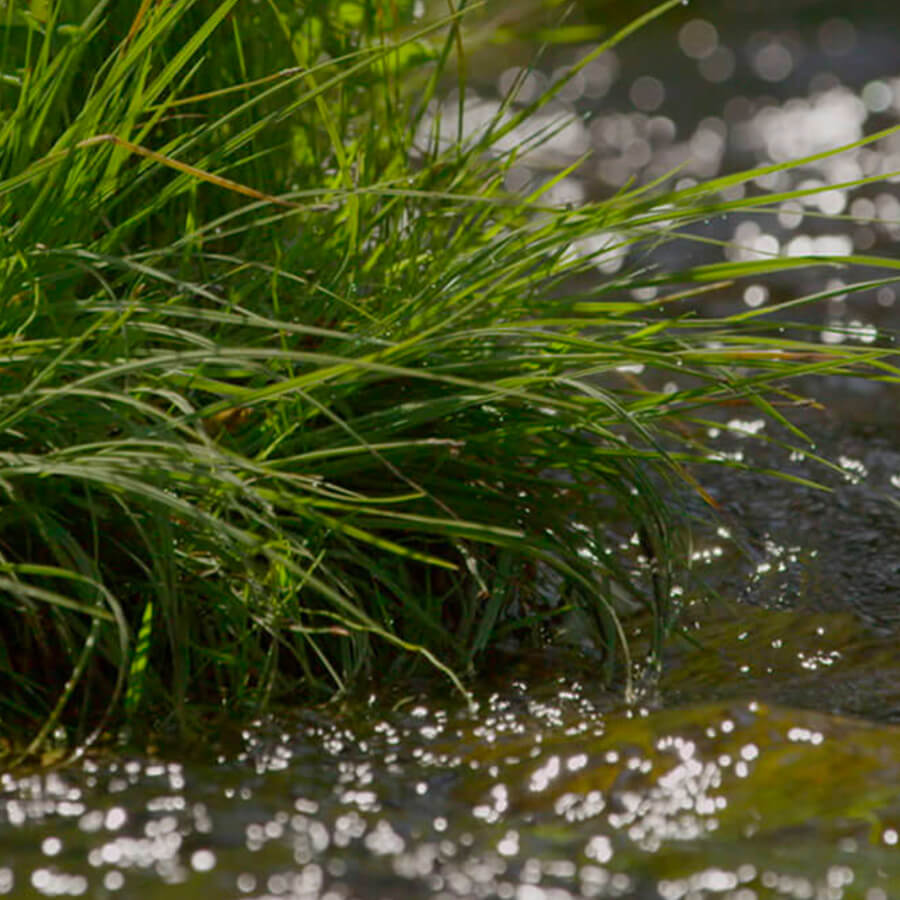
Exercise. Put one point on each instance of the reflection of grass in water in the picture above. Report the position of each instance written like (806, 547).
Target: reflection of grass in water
(278, 405)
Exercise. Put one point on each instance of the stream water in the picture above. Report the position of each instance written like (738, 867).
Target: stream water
(765, 761)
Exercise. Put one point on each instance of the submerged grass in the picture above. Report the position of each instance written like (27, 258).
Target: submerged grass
(294, 393)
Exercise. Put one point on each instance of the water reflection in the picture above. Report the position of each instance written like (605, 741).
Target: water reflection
(421, 803)
(725, 94)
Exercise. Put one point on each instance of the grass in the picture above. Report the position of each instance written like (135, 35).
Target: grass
(294, 394)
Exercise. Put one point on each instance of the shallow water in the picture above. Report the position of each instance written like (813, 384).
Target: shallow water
(763, 763)
(551, 789)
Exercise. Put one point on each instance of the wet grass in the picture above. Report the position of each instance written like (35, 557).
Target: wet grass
(295, 394)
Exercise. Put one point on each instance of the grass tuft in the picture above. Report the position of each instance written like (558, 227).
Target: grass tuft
(294, 393)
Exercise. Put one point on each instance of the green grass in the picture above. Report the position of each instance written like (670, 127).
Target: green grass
(286, 405)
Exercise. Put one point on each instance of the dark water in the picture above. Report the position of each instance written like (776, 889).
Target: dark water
(765, 762)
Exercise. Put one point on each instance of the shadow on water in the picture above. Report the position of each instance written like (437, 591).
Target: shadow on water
(765, 762)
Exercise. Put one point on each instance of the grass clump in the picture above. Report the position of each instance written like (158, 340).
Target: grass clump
(292, 391)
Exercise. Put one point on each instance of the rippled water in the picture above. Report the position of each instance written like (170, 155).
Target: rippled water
(765, 761)
(549, 790)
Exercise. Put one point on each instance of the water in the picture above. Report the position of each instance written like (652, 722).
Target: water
(718, 87)
(551, 789)
(765, 762)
